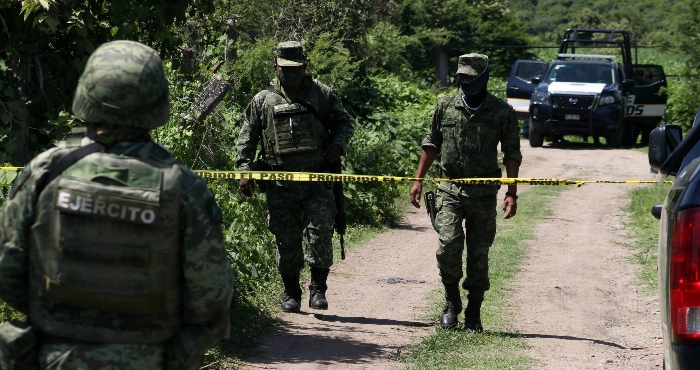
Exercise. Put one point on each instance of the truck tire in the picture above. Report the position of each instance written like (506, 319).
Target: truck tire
(627, 135)
(536, 139)
(646, 130)
(614, 139)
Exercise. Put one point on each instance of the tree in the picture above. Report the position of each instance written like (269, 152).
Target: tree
(46, 44)
(458, 27)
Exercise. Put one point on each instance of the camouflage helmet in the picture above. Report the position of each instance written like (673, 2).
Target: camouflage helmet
(123, 84)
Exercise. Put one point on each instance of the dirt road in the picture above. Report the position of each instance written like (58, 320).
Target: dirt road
(575, 301)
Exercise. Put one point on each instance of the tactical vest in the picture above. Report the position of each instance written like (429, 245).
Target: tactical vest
(293, 139)
(105, 249)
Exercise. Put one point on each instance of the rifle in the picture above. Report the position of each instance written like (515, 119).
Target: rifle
(340, 224)
(430, 207)
(260, 165)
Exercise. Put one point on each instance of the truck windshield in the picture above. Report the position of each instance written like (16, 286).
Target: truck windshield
(587, 73)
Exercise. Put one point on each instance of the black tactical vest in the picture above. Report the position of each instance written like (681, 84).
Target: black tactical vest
(293, 139)
(105, 249)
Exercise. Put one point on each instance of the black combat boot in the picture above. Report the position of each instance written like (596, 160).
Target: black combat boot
(292, 294)
(453, 306)
(472, 314)
(317, 288)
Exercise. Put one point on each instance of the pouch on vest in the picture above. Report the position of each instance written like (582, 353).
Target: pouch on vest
(294, 128)
(294, 137)
(18, 345)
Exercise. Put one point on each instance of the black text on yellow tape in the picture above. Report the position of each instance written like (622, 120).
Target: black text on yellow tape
(298, 176)
(318, 176)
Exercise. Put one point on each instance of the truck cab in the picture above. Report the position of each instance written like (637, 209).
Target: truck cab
(589, 94)
(579, 95)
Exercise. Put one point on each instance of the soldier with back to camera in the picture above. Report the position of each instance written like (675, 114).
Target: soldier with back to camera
(110, 246)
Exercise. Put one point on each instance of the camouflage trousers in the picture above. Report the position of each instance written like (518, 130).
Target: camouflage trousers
(479, 231)
(301, 213)
(71, 356)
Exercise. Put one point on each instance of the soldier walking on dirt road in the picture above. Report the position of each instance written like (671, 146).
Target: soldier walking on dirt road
(303, 127)
(465, 129)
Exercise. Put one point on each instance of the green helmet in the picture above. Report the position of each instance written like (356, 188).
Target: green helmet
(123, 84)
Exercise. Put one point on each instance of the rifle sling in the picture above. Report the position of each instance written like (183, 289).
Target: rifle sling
(61, 165)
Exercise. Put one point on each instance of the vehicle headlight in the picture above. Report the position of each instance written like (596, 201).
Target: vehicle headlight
(607, 99)
(541, 96)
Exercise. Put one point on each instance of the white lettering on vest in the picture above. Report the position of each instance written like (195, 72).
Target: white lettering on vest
(99, 207)
(115, 209)
(133, 210)
(86, 205)
(114, 214)
(63, 198)
(75, 205)
(148, 216)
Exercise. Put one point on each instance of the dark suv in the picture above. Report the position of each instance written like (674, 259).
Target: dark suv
(579, 97)
(679, 243)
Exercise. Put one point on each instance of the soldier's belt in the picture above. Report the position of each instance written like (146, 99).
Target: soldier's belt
(7, 174)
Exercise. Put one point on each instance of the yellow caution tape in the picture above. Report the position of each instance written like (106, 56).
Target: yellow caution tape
(343, 177)
(298, 176)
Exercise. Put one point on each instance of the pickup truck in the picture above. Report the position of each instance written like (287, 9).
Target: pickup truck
(588, 94)
(679, 243)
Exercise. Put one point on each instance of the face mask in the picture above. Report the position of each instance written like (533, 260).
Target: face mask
(290, 77)
(476, 85)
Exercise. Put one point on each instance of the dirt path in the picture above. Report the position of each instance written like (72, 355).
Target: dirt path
(576, 300)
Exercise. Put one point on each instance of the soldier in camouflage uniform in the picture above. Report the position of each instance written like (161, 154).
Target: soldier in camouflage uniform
(303, 127)
(465, 130)
(117, 260)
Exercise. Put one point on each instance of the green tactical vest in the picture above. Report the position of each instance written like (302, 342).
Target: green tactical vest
(293, 139)
(104, 250)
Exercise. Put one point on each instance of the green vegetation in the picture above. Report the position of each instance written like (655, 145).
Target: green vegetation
(498, 346)
(644, 231)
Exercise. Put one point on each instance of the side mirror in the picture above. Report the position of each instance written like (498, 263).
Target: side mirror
(675, 159)
(536, 80)
(627, 85)
(662, 142)
(656, 211)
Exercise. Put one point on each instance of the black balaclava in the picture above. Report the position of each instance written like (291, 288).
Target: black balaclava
(290, 77)
(474, 91)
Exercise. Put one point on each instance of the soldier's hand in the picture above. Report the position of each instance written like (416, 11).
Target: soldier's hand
(510, 207)
(416, 192)
(333, 153)
(246, 187)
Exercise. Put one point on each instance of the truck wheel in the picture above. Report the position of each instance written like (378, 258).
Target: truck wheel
(614, 139)
(627, 137)
(536, 139)
(646, 130)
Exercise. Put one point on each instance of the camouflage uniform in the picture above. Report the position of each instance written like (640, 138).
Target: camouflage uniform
(468, 145)
(298, 210)
(203, 273)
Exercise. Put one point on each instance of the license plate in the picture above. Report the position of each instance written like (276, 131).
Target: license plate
(572, 117)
